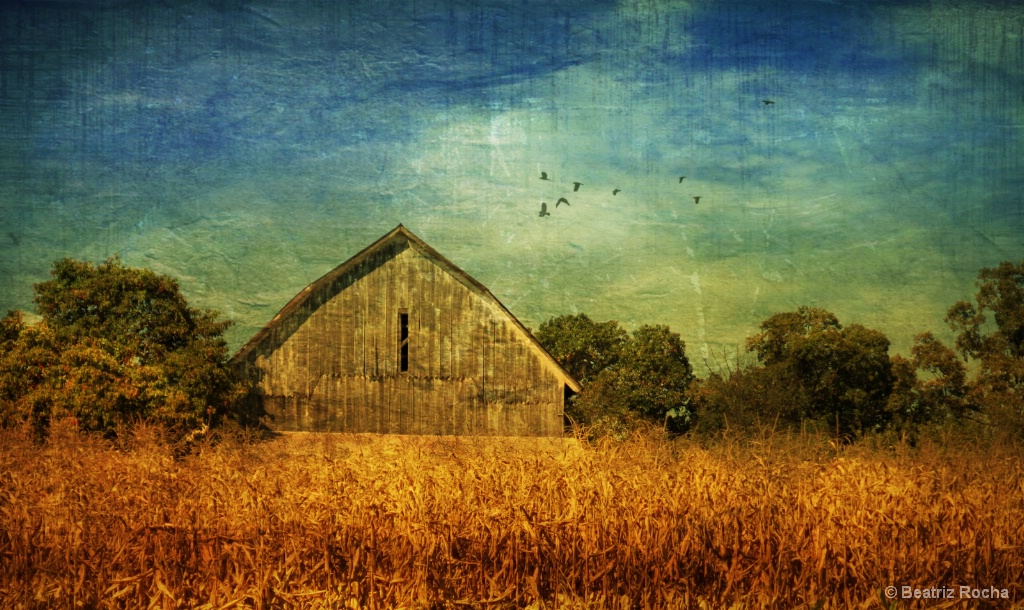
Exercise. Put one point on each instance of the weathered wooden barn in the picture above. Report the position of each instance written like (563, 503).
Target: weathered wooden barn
(399, 340)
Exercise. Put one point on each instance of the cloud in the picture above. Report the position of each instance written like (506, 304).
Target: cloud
(260, 144)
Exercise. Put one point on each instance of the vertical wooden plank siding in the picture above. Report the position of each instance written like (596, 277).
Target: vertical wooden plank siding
(471, 370)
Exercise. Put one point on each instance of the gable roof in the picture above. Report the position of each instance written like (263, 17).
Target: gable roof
(394, 237)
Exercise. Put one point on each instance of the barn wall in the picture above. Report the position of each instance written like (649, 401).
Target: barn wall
(335, 364)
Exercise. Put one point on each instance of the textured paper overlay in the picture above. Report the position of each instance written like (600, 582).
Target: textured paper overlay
(861, 157)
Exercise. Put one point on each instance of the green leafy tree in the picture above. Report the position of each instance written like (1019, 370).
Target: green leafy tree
(583, 347)
(115, 344)
(929, 387)
(841, 377)
(996, 343)
(1000, 293)
(945, 387)
(646, 382)
(907, 409)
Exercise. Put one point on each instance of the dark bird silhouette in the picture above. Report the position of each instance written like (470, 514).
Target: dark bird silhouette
(681, 178)
(561, 200)
(544, 210)
(696, 199)
(543, 175)
(576, 186)
(768, 102)
(616, 191)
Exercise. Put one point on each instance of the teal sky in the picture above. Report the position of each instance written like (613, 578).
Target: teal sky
(247, 148)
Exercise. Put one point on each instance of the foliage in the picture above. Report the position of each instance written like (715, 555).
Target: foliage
(775, 342)
(908, 411)
(744, 401)
(583, 347)
(812, 370)
(626, 379)
(114, 344)
(10, 327)
(841, 377)
(647, 382)
(1001, 292)
(929, 387)
(997, 345)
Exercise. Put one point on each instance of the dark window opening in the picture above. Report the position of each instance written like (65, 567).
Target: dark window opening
(403, 341)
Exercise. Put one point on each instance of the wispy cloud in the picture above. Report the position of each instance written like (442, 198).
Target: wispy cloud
(262, 143)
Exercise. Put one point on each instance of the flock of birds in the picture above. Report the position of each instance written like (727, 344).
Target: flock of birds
(576, 187)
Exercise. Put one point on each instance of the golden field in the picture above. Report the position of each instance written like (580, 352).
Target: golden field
(327, 521)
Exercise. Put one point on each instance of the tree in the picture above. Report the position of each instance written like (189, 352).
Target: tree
(775, 342)
(841, 377)
(931, 386)
(583, 347)
(998, 346)
(1001, 292)
(115, 344)
(647, 381)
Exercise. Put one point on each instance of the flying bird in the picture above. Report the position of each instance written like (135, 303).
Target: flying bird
(561, 200)
(696, 199)
(768, 102)
(576, 186)
(543, 175)
(616, 191)
(681, 178)
(544, 210)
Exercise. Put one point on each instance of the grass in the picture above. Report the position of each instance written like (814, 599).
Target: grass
(317, 521)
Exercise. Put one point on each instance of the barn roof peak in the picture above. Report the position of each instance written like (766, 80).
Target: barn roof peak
(400, 232)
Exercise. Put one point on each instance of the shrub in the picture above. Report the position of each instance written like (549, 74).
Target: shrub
(743, 401)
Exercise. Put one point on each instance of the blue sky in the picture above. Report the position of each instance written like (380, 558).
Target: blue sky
(246, 148)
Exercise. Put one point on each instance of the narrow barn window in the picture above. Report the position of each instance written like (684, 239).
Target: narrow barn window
(403, 341)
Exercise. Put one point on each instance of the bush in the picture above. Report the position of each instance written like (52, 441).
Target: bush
(115, 345)
(743, 402)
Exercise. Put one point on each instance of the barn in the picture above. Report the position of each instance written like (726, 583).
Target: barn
(397, 339)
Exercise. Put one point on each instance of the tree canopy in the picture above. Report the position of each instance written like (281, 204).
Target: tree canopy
(625, 378)
(811, 368)
(583, 347)
(840, 376)
(114, 343)
(996, 343)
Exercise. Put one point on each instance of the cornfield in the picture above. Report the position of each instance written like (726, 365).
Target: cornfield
(331, 521)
